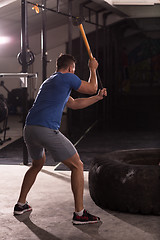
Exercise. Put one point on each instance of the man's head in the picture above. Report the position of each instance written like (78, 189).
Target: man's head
(65, 63)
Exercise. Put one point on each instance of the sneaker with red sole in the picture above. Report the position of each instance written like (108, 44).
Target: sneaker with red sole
(18, 209)
(85, 218)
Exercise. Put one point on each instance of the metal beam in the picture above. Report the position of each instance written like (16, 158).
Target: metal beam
(70, 27)
(19, 75)
(24, 46)
(24, 35)
(44, 42)
(62, 13)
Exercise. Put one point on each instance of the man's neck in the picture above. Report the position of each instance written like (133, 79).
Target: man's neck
(63, 70)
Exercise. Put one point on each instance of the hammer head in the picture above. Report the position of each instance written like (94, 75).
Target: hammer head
(77, 21)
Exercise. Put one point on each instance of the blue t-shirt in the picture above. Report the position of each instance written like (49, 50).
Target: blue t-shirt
(51, 99)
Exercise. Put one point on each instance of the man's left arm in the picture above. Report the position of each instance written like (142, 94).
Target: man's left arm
(80, 103)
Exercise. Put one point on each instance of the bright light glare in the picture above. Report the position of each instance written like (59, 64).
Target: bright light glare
(4, 40)
(135, 2)
(4, 3)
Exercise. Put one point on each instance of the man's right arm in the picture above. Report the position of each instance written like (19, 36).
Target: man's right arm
(91, 86)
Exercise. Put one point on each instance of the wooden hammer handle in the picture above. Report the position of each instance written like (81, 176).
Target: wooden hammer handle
(89, 50)
(85, 41)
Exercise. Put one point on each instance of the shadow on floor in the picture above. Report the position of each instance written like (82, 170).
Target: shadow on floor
(147, 223)
(39, 232)
(91, 229)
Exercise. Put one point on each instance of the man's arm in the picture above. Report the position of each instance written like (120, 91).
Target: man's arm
(80, 103)
(91, 86)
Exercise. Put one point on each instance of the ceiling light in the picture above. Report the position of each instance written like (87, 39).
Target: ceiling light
(4, 40)
(6, 2)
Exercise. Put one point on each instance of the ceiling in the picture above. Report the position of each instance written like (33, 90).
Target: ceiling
(10, 16)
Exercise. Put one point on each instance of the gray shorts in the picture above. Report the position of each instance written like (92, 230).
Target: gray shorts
(38, 138)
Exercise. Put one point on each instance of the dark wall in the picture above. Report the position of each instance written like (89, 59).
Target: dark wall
(136, 98)
(129, 66)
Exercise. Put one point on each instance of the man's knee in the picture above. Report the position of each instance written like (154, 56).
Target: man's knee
(38, 164)
(79, 165)
(74, 163)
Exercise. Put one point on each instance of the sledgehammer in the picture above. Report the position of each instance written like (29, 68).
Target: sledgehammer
(78, 22)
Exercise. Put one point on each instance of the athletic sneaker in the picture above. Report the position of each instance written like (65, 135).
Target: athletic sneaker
(85, 218)
(21, 209)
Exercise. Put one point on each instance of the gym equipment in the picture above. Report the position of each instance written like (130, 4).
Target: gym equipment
(24, 79)
(3, 118)
(15, 98)
(22, 76)
(78, 22)
(127, 181)
(3, 109)
(30, 57)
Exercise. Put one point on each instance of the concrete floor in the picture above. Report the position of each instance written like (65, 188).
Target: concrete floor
(52, 202)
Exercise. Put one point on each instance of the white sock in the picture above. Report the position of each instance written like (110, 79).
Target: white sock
(21, 204)
(80, 213)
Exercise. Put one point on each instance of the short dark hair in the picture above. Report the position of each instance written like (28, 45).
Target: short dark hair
(64, 61)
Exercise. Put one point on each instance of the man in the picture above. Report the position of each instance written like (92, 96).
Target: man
(41, 131)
